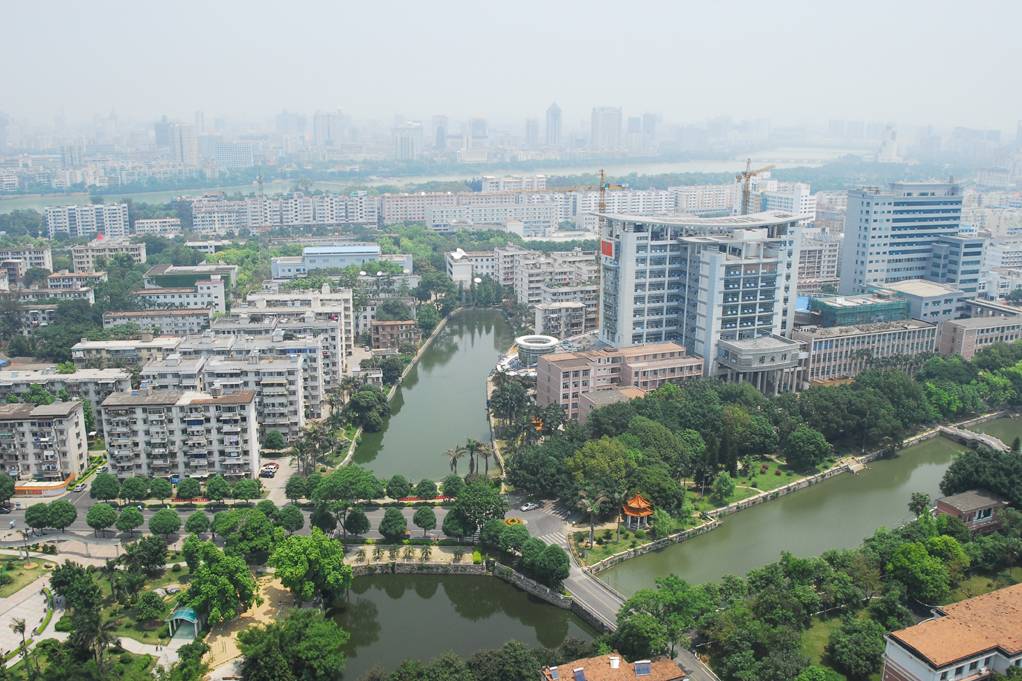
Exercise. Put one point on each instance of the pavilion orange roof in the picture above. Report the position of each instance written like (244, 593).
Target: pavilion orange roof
(638, 506)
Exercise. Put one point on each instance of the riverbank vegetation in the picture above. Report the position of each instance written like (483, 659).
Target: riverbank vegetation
(780, 621)
(703, 444)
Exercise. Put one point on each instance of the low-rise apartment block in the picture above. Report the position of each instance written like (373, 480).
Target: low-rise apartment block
(169, 322)
(928, 301)
(110, 219)
(39, 257)
(562, 378)
(277, 383)
(173, 276)
(965, 337)
(843, 352)
(206, 294)
(560, 320)
(325, 304)
(101, 354)
(35, 295)
(965, 641)
(465, 266)
(74, 280)
(159, 433)
(85, 257)
(45, 443)
(164, 227)
(334, 257)
(394, 334)
(89, 385)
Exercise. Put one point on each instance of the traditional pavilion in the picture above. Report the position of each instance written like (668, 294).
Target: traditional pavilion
(637, 512)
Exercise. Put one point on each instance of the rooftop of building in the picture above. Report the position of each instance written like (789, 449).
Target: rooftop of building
(968, 628)
(613, 667)
(20, 411)
(50, 372)
(856, 301)
(201, 268)
(985, 322)
(268, 362)
(164, 312)
(601, 398)
(922, 288)
(762, 343)
(64, 273)
(127, 344)
(175, 362)
(342, 249)
(109, 242)
(972, 500)
(761, 219)
(166, 398)
(393, 322)
(855, 329)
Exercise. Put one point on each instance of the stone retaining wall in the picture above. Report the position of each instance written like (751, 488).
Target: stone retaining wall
(676, 538)
(533, 588)
(417, 568)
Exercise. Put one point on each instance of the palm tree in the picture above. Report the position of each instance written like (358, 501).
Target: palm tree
(486, 451)
(18, 627)
(103, 639)
(109, 571)
(590, 504)
(455, 454)
(472, 448)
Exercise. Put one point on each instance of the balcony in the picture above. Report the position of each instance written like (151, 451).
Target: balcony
(159, 463)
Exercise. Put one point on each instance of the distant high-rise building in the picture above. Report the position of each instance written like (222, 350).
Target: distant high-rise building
(605, 129)
(649, 130)
(476, 134)
(70, 156)
(328, 128)
(553, 125)
(288, 123)
(184, 144)
(200, 122)
(407, 141)
(889, 233)
(4, 122)
(162, 130)
(531, 132)
(438, 132)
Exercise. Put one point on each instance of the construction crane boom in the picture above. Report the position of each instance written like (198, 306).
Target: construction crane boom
(745, 177)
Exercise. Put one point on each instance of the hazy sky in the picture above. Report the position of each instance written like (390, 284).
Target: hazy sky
(939, 62)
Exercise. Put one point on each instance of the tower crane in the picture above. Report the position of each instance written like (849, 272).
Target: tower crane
(745, 177)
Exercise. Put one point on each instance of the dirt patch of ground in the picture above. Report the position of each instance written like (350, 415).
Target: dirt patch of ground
(223, 640)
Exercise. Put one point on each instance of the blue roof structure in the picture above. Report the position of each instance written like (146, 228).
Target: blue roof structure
(341, 249)
(187, 614)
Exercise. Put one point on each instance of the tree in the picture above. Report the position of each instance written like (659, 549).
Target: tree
(356, 522)
(218, 488)
(983, 468)
(135, 488)
(426, 489)
(148, 555)
(149, 606)
(304, 646)
(454, 455)
(641, 635)
(393, 525)
(221, 586)
(398, 487)
(165, 522)
(924, 577)
(6, 488)
(19, 628)
(160, 488)
(455, 525)
(480, 502)
(424, 518)
(37, 516)
(805, 448)
(189, 488)
(919, 503)
(552, 566)
(312, 567)
(513, 538)
(61, 514)
(816, 673)
(723, 488)
(368, 408)
(100, 517)
(247, 489)
(453, 486)
(247, 532)
(197, 523)
(274, 439)
(129, 520)
(296, 488)
(857, 648)
(322, 517)
(105, 487)
(291, 518)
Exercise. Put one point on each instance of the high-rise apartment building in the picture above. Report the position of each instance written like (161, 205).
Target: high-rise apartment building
(889, 233)
(553, 125)
(159, 433)
(699, 281)
(85, 257)
(328, 128)
(605, 129)
(184, 144)
(109, 219)
(45, 442)
(531, 133)
(407, 141)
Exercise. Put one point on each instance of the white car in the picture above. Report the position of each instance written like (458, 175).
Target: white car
(79, 488)
(530, 506)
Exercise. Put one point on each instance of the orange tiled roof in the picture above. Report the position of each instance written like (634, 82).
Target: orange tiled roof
(638, 506)
(968, 628)
(599, 669)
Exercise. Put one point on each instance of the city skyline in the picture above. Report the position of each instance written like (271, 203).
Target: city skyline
(516, 63)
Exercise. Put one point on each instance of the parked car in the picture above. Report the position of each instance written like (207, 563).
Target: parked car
(79, 488)
(272, 465)
(530, 506)
(267, 473)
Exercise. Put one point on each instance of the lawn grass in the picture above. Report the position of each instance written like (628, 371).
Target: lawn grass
(611, 545)
(701, 504)
(815, 638)
(773, 475)
(127, 626)
(19, 574)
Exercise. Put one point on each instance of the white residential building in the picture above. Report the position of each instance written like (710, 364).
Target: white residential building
(34, 257)
(207, 294)
(122, 353)
(89, 385)
(171, 322)
(160, 433)
(514, 183)
(157, 227)
(108, 219)
(464, 266)
(791, 197)
(84, 256)
(277, 383)
(74, 280)
(889, 232)
(45, 443)
(325, 304)
(333, 256)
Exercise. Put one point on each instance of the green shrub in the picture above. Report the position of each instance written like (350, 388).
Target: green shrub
(63, 624)
(176, 567)
(477, 557)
